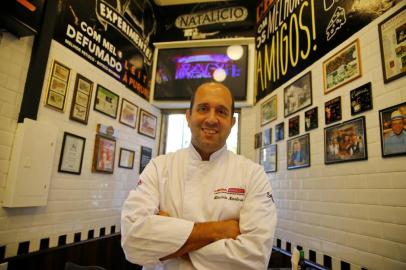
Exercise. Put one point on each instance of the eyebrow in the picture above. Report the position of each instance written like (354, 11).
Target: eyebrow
(207, 104)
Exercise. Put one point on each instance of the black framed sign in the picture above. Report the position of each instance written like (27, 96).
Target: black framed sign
(73, 148)
(361, 99)
(146, 155)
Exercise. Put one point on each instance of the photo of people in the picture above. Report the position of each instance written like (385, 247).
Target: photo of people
(311, 119)
(267, 136)
(332, 110)
(298, 95)
(294, 126)
(298, 152)
(280, 131)
(345, 142)
(393, 130)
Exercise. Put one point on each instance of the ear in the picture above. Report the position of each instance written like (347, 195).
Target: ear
(188, 117)
(232, 121)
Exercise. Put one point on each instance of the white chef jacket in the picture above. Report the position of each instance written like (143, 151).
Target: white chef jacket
(190, 190)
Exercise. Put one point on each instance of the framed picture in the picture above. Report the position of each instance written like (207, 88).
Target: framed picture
(128, 113)
(267, 157)
(298, 152)
(342, 68)
(104, 154)
(81, 99)
(361, 99)
(258, 140)
(393, 130)
(267, 136)
(332, 110)
(73, 148)
(294, 126)
(147, 124)
(269, 110)
(57, 87)
(345, 141)
(106, 102)
(126, 158)
(146, 155)
(392, 37)
(280, 131)
(311, 119)
(298, 95)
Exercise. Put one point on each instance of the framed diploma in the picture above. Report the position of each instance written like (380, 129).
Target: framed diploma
(73, 147)
(81, 100)
(55, 97)
(126, 159)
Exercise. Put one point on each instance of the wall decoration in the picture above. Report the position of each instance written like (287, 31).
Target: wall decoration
(332, 110)
(126, 158)
(81, 99)
(258, 140)
(106, 102)
(311, 119)
(128, 113)
(298, 152)
(393, 130)
(57, 86)
(345, 141)
(342, 68)
(269, 110)
(361, 99)
(147, 124)
(294, 126)
(73, 148)
(392, 37)
(268, 158)
(267, 137)
(280, 131)
(104, 154)
(298, 95)
(146, 155)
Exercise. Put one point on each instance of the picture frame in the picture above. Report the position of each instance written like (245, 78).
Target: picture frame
(311, 119)
(392, 40)
(81, 99)
(72, 151)
(126, 158)
(280, 132)
(128, 113)
(298, 152)
(294, 126)
(342, 68)
(361, 99)
(268, 158)
(58, 85)
(345, 141)
(269, 110)
(267, 137)
(258, 140)
(146, 155)
(104, 154)
(393, 136)
(332, 110)
(106, 102)
(298, 95)
(147, 124)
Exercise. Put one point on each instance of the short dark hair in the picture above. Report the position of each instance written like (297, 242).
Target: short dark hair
(192, 100)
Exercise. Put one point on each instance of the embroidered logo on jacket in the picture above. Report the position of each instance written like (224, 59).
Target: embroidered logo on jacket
(232, 194)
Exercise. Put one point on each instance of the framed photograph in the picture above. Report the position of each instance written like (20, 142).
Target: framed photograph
(298, 152)
(267, 157)
(342, 68)
(128, 113)
(298, 95)
(147, 124)
(73, 148)
(393, 130)
(361, 99)
(269, 110)
(294, 126)
(104, 154)
(311, 119)
(332, 110)
(280, 132)
(55, 97)
(392, 37)
(258, 140)
(267, 137)
(106, 102)
(126, 158)
(81, 99)
(146, 155)
(346, 141)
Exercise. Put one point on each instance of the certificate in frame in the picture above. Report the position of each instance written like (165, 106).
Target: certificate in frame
(81, 99)
(73, 148)
(128, 113)
(55, 97)
(147, 124)
(106, 102)
(126, 158)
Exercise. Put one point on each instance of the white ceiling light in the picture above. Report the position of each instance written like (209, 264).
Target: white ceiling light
(235, 52)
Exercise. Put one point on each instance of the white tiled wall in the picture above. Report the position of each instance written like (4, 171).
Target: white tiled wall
(355, 212)
(75, 203)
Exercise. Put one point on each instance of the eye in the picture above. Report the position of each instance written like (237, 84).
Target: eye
(202, 109)
(222, 112)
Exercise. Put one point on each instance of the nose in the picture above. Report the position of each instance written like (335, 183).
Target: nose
(212, 117)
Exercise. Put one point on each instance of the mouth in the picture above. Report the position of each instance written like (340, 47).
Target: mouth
(209, 131)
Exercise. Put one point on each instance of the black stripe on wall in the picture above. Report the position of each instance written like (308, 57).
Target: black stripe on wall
(23, 248)
(327, 261)
(44, 244)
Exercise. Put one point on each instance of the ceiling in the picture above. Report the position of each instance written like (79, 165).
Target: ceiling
(178, 2)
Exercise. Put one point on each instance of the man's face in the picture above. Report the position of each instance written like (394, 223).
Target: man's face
(397, 126)
(210, 120)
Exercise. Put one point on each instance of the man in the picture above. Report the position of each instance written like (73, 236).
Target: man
(395, 141)
(297, 157)
(202, 207)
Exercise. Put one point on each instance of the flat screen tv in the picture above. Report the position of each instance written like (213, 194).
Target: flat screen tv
(180, 67)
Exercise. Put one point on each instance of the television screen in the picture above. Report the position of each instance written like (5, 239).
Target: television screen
(180, 71)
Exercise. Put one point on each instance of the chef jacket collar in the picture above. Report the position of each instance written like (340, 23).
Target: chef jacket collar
(195, 155)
